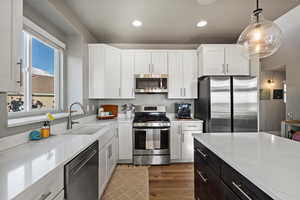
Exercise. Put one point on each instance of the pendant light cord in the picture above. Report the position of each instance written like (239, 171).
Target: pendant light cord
(257, 11)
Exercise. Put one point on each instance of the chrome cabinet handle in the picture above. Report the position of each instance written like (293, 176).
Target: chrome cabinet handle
(224, 70)
(45, 196)
(149, 68)
(227, 68)
(184, 91)
(202, 177)
(202, 154)
(239, 188)
(20, 63)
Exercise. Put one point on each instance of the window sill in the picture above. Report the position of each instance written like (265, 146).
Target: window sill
(35, 119)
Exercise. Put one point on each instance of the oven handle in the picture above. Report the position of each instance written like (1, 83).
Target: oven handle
(145, 129)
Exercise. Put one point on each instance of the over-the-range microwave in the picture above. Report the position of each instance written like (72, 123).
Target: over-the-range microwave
(151, 83)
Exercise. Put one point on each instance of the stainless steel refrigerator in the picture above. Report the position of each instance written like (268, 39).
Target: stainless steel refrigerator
(227, 104)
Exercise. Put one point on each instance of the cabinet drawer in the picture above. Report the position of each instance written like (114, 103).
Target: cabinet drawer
(201, 152)
(192, 126)
(207, 183)
(228, 194)
(242, 186)
(47, 188)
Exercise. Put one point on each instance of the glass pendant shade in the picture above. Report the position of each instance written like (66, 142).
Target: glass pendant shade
(261, 37)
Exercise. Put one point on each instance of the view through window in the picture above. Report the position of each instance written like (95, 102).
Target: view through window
(41, 77)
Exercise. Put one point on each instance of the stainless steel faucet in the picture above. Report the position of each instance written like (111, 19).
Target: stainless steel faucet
(70, 121)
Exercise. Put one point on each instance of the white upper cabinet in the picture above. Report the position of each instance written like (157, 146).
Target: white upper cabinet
(182, 81)
(190, 73)
(127, 75)
(159, 63)
(213, 60)
(142, 63)
(175, 79)
(112, 71)
(11, 14)
(237, 60)
(111, 74)
(150, 62)
(216, 60)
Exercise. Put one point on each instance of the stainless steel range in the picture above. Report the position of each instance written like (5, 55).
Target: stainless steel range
(151, 136)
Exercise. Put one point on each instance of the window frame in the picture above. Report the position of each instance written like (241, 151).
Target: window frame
(42, 36)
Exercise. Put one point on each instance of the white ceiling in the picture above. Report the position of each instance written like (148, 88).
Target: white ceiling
(171, 21)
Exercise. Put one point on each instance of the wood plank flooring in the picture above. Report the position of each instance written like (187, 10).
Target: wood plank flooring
(173, 182)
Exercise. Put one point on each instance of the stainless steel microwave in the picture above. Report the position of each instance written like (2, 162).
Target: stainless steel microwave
(151, 83)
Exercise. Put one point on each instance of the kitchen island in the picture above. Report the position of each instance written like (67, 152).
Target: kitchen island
(255, 166)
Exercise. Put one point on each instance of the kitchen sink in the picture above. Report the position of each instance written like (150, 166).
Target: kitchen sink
(85, 130)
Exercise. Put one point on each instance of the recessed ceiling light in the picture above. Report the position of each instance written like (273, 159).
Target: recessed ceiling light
(202, 23)
(137, 23)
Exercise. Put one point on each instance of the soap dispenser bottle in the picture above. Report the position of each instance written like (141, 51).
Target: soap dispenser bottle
(45, 130)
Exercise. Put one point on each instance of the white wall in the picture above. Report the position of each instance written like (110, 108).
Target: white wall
(289, 55)
(272, 111)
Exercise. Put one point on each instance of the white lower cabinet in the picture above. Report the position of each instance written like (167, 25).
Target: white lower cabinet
(47, 188)
(182, 141)
(176, 137)
(107, 158)
(125, 141)
(102, 171)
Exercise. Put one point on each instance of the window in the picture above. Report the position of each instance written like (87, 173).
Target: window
(42, 70)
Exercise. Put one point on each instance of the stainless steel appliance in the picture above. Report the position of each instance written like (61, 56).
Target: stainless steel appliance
(227, 104)
(151, 136)
(151, 83)
(183, 110)
(81, 175)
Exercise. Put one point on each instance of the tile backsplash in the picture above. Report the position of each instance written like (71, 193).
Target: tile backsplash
(148, 99)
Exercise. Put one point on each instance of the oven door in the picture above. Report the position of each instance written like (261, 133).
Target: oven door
(151, 141)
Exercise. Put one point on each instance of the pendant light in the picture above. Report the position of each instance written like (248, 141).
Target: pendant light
(262, 37)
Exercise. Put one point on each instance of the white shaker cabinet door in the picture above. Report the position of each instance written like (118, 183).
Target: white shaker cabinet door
(112, 73)
(159, 63)
(175, 79)
(11, 23)
(127, 76)
(176, 138)
(125, 141)
(187, 146)
(103, 163)
(237, 60)
(142, 63)
(96, 71)
(190, 74)
(213, 60)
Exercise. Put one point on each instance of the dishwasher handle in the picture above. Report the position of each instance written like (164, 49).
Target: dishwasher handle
(83, 162)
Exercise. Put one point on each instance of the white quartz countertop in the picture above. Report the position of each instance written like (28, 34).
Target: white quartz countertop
(24, 165)
(271, 163)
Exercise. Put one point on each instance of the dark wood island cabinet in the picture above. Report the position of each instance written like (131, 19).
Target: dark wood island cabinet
(216, 180)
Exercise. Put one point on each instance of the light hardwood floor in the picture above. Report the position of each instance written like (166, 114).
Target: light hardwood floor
(173, 182)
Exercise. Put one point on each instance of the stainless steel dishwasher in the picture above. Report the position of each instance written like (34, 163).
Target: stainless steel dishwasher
(81, 175)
